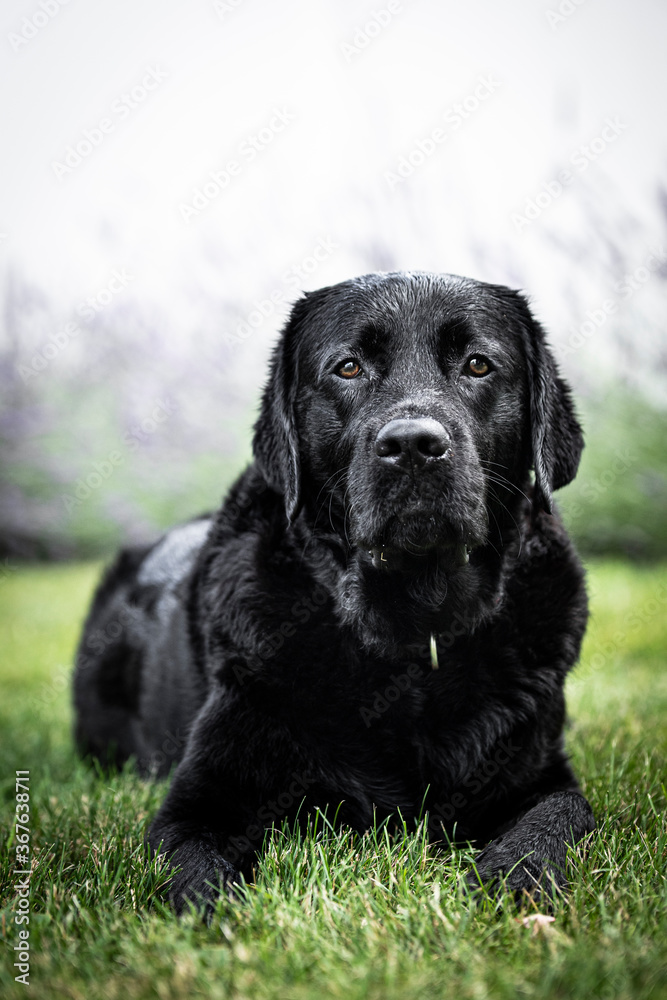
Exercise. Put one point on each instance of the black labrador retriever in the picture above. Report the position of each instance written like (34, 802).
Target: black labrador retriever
(381, 616)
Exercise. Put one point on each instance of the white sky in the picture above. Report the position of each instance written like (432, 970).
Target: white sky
(324, 175)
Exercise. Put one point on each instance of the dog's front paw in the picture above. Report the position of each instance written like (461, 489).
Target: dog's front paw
(520, 866)
(201, 882)
(531, 857)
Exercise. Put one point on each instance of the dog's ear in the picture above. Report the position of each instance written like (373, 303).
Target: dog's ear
(556, 438)
(275, 440)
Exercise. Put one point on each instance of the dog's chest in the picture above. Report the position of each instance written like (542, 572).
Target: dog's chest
(399, 721)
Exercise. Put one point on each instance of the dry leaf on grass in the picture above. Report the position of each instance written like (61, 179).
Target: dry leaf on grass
(538, 921)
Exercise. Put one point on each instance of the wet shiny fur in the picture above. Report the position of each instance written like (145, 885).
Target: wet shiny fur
(281, 652)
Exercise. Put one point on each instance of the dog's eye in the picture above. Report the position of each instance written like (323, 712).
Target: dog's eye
(478, 366)
(349, 369)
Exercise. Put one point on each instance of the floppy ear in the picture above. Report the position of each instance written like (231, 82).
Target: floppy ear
(275, 441)
(556, 436)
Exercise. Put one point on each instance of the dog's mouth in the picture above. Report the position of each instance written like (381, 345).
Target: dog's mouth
(422, 544)
(416, 559)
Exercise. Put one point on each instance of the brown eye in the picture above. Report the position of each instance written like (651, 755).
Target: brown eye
(350, 369)
(478, 366)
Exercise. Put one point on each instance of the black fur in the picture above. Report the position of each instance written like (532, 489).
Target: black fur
(280, 650)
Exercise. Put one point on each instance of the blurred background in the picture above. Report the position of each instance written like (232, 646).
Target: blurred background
(175, 174)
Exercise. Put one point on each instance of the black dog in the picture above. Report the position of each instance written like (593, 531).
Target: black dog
(382, 614)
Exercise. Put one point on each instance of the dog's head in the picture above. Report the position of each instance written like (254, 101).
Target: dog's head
(405, 412)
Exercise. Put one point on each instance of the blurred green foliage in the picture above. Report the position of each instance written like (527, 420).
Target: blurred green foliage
(617, 505)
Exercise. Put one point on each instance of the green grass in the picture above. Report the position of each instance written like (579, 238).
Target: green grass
(334, 915)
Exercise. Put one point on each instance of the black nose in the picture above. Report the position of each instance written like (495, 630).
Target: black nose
(412, 441)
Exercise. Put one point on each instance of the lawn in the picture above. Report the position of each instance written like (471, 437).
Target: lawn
(334, 915)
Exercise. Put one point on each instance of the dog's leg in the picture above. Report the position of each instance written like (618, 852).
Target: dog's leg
(195, 828)
(532, 854)
(201, 872)
(240, 773)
